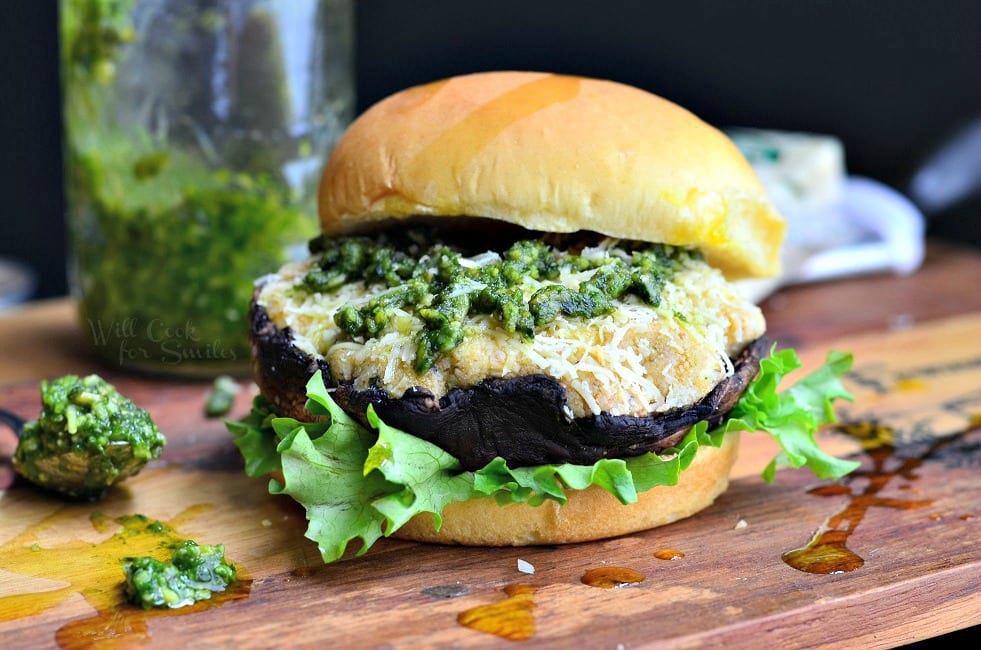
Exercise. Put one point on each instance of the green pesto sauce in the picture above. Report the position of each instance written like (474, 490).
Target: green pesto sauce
(221, 398)
(429, 280)
(87, 438)
(167, 234)
(193, 573)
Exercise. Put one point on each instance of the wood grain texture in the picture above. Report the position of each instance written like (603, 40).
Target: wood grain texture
(946, 285)
(921, 575)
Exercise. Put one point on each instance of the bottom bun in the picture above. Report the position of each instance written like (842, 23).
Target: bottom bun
(587, 515)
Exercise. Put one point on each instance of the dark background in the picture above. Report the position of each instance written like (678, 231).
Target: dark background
(892, 79)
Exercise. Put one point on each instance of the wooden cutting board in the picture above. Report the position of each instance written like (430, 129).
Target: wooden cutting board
(899, 542)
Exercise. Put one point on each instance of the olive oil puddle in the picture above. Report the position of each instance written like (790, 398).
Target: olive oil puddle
(513, 618)
(611, 577)
(827, 552)
(669, 554)
(510, 618)
(95, 571)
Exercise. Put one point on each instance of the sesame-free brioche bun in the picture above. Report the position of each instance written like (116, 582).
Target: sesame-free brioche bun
(588, 514)
(553, 153)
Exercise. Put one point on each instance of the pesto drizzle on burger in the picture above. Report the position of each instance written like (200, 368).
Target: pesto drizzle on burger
(430, 279)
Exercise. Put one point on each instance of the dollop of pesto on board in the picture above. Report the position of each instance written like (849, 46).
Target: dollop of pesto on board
(193, 573)
(87, 438)
(433, 281)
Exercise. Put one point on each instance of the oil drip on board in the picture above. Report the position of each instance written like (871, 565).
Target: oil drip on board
(668, 554)
(611, 577)
(827, 551)
(511, 618)
(896, 443)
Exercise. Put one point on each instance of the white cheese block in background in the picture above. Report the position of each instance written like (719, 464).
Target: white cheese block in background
(802, 172)
(837, 225)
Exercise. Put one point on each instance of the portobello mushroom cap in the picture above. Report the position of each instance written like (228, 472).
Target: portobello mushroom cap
(525, 420)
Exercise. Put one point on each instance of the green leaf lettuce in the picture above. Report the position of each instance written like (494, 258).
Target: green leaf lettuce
(360, 483)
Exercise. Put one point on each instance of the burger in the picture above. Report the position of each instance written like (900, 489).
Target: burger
(522, 322)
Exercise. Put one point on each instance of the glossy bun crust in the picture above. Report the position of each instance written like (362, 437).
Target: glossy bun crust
(587, 515)
(556, 154)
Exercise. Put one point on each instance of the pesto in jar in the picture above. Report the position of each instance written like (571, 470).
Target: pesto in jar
(165, 271)
(177, 202)
(87, 438)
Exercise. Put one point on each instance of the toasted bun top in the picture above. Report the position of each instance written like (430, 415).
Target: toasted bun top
(556, 154)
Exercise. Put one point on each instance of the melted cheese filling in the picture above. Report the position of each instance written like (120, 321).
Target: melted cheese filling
(635, 361)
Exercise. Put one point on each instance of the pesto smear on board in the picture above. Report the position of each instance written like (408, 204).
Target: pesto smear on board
(435, 282)
(87, 438)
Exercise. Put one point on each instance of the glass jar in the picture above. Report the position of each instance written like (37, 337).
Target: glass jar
(195, 134)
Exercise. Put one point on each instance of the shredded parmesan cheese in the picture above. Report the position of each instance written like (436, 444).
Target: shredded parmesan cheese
(637, 360)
